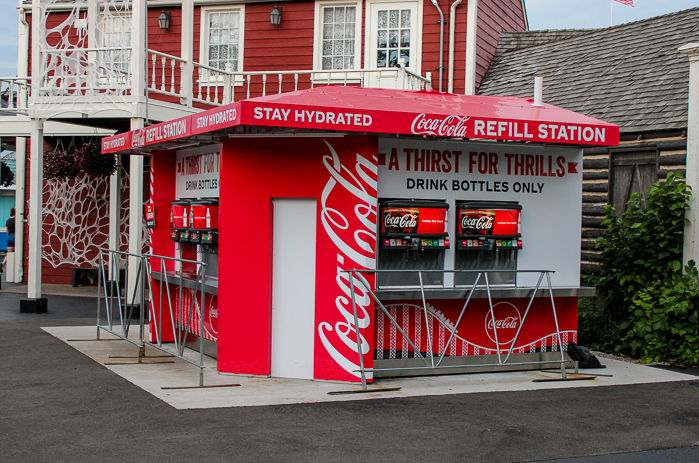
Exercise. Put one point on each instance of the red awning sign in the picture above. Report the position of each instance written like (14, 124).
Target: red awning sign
(353, 109)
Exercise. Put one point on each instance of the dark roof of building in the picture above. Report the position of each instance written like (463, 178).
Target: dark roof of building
(631, 75)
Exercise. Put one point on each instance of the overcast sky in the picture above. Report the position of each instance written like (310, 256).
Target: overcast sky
(542, 14)
(581, 14)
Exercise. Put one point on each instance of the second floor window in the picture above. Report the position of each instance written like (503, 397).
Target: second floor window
(223, 38)
(338, 37)
(115, 38)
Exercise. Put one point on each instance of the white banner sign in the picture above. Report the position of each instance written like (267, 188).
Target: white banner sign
(197, 173)
(545, 181)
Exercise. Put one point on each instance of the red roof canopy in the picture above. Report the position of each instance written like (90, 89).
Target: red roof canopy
(368, 110)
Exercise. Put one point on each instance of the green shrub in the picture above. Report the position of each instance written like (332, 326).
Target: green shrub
(648, 306)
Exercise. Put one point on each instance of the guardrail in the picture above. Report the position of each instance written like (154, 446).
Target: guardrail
(14, 94)
(198, 83)
(429, 359)
(86, 71)
(181, 316)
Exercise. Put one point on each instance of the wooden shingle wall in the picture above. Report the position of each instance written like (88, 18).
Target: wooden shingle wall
(597, 179)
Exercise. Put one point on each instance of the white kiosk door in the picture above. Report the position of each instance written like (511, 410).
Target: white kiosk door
(293, 287)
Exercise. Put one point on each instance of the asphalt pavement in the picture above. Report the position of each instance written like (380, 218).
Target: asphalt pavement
(57, 405)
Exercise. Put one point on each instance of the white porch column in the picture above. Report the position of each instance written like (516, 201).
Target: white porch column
(36, 183)
(471, 36)
(135, 211)
(139, 54)
(187, 46)
(20, 153)
(20, 185)
(691, 230)
(114, 213)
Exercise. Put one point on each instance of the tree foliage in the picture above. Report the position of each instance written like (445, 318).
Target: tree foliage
(649, 305)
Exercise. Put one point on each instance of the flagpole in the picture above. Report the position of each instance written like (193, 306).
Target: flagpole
(611, 18)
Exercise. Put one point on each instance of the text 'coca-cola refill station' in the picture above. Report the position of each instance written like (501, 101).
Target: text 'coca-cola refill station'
(417, 193)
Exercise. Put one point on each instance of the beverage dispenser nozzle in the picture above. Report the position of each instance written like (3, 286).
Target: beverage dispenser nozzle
(414, 244)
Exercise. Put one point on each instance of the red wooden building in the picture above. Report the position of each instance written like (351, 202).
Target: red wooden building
(118, 66)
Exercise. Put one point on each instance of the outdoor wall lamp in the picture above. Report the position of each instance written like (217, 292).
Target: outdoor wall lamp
(164, 20)
(275, 17)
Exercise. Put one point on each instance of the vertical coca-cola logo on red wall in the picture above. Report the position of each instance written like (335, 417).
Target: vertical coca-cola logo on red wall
(348, 214)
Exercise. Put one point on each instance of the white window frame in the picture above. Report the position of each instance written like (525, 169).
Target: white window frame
(204, 42)
(101, 37)
(416, 65)
(337, 77)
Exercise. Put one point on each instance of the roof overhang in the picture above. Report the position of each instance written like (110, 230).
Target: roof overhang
(380, 111)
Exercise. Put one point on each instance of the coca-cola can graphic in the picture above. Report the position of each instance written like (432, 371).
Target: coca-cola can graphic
(400, 220)
(179, 214)
(476, 222)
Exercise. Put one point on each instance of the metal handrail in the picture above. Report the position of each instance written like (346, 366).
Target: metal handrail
(179, 317)
(431, 365)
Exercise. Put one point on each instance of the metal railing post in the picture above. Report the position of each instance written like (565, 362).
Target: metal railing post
(356, 328)
(492, 317)
(202, 309)
(427, 323)
(524, 317)
(453, 333)
(99, 290)
(558, 331)
(142, 309)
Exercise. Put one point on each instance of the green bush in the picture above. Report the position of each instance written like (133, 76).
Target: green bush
(648, 306)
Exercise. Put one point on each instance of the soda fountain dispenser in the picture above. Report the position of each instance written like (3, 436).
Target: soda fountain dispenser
(488, 237)
(413, 236)
(205, 221)
(179, 220)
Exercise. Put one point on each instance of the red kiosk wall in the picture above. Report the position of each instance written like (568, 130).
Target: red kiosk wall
(341, 173)
(162, 179)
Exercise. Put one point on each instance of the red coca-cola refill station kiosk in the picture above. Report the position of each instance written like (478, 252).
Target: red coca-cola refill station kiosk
(352, 234)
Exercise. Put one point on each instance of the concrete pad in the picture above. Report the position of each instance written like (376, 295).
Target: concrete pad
(50, 289)
(256, 391)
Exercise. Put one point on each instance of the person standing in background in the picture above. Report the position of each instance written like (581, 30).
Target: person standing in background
(10, 224)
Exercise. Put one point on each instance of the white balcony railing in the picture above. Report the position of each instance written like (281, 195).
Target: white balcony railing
(215, 87)
(85, 71)
(105, 73)
(14, 94)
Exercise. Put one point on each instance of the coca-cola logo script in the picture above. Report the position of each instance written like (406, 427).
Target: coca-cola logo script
(507, 320)
(450, 126)
(349, 216)
(479, 223)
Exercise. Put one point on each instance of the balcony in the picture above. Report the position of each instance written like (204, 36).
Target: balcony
(215, 87)
(99, 82)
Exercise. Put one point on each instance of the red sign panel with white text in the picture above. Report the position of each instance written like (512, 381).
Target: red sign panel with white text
(414, 221)
(489, 222)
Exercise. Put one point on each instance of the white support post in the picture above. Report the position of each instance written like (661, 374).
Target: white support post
(187, 51)
(471, 35)
(36, 183)
(138, 49)
(92, 14)
(21, 153)
(37, 60)
(20, 185)
(114, 215)
(691, 230)
(135, 212)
